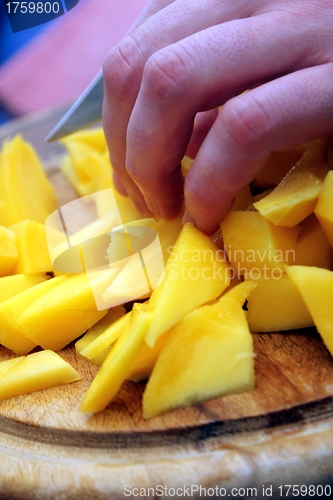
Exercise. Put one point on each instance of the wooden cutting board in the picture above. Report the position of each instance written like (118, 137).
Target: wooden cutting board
(282, 433)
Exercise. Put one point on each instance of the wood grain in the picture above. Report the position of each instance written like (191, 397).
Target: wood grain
(282, 431)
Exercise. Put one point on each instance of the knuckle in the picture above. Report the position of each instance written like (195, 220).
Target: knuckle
(167, 75)
(121, 68)
(245, 121)
(134, 172)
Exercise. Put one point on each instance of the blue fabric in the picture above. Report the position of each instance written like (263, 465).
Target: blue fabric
(11, 42)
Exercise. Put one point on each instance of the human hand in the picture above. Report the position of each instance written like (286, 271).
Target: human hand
(191, 56)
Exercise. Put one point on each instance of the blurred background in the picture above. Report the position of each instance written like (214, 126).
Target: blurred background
(48, 66)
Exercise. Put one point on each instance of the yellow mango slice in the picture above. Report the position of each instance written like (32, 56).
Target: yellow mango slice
(145, 359)
(25, 192)
(98, 328)
(208, 354)
(329, 151)
(186, 164)
(92, 137)
(40, 370)
(312, 246)
(87, 167)
(62, 314)
(96, 349)
(275, 305)
(253, 244)
(243, 200)
(128, 211)
(296, 195)
(88, 171)
(277, 166)
(315, 285)
(12, 285)
(33, 253)
(324, 207)
(196, 272)
(118, 363)
(138, 244)
(8, 251)
(11, 333)
(318, 147)
(168, 232)
(8, 364)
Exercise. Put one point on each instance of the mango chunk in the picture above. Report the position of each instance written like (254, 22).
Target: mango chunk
(253, 244)
(196, 272)
(145, 359)
(33, 253)
(324, 207)
(87, 170)
(93, 138)
(243, 200)
(87, 167)
(329, 151)
(276, 305)
(97, 329)
(296, 195)
(315, 285)
(12, 285)
(186, 164)
(21, 177)
(40, 370)
(11, 332)
(277, 166)
(62, 314)
(8, 251)
(117, 365)
(312, 246)
(95, 350)
(209, 354)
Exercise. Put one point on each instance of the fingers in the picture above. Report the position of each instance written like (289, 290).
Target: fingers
(187, 77)
(163, 22)
(202, 124)
(278, 115)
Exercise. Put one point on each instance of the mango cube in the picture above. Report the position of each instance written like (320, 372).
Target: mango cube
(8, 251)
(296, 195)
(209, 353)
(40, 370)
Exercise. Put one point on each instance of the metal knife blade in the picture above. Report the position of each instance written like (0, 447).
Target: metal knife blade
(85, 111)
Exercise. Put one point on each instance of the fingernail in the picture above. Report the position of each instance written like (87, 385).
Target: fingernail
(155, 209)
(187, 217)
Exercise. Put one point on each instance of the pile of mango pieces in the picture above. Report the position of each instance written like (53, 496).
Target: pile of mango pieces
(269, 268)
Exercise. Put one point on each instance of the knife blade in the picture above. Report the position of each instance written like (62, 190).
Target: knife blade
(86, 110)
